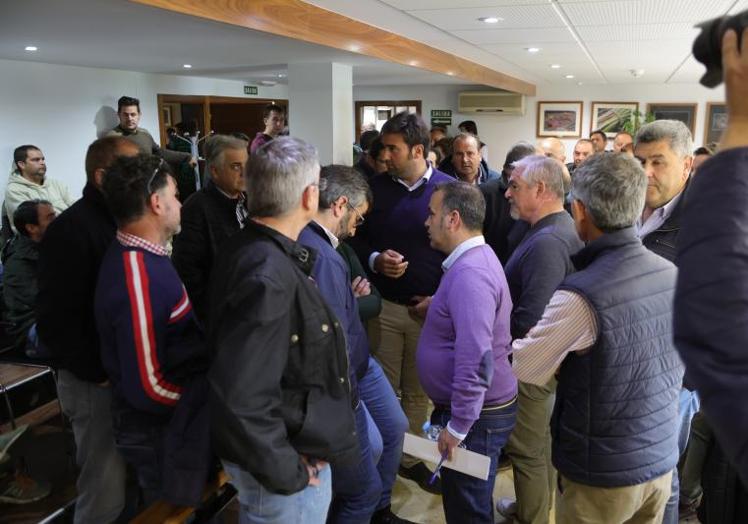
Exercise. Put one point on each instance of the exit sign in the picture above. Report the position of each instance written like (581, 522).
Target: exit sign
(441, 117)
(250, 90)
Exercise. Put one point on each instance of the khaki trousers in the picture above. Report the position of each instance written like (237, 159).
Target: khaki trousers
(639, 504)
(393, 337)
(529, 449)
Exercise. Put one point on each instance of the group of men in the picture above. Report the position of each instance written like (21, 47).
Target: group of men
(532, 309)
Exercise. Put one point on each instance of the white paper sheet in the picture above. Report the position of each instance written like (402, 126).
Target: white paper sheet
(464, 461)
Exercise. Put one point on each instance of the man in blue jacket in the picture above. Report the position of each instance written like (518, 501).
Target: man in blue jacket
(711, 298)
(362, 490)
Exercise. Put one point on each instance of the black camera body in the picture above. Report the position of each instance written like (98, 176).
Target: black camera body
(707, 48)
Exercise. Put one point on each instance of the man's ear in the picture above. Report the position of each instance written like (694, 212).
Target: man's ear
(99, 177)
(687, 166)
(308, 197)
(417, 150)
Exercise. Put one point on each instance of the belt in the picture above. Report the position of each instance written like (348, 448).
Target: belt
(486, 407)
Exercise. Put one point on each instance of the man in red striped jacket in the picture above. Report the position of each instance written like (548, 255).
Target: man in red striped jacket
(151, 345)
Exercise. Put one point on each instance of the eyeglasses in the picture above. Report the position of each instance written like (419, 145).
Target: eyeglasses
(153, 176)
(359, 216)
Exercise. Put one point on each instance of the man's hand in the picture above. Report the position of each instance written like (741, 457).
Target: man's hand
(192, 161)
(390, 263)
(420, 307)
(447, 443)
(735, 70)
(313, 469)
(361, 287)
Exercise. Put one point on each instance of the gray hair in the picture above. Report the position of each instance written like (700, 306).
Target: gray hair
(674, 131)
(537, 168)
(216, 145)
(467, 200)
(337, 181)
(277, 175)
(612, 187)
(466, 136)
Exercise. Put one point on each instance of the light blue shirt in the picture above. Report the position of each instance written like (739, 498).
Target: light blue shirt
(470, 243)
(657, 218)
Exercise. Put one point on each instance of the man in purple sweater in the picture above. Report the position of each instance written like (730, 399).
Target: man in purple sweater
(462, 353)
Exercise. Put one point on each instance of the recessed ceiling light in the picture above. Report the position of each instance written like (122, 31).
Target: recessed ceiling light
(355, 48)
(187, 66)
(532, 49)
(555, 66)
(450, 73)
(281, 75)
(31, 48)
(413, 63)
(579, 83)
(490, 19)
(569, 76)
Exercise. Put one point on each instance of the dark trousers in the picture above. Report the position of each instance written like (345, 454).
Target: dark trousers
(466, 499)
(139, 438)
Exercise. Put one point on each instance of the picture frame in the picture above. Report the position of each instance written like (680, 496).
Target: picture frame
(683, 112)
(562, 119)
(166, 114)
(610, 117)
(716, 122)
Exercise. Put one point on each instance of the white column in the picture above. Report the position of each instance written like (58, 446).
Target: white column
(320, 99)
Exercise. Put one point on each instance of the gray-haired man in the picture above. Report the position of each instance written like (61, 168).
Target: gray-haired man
(664, 148)
(210, 216)
(607, 334)
(279, 387)
(533, 272)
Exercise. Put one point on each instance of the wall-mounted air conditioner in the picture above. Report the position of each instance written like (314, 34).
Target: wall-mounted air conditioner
(499, 102)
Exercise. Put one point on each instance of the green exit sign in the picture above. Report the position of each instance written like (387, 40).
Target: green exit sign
(250, 90)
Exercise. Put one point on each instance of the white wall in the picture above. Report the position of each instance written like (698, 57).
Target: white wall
(501, 132)
(62, 108)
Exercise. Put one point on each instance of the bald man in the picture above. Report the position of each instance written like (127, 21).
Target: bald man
(552, 147)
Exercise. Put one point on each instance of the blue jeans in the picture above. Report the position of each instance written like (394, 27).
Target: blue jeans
(688, 405)
(260, 506)
(365, 486)
(466, 499)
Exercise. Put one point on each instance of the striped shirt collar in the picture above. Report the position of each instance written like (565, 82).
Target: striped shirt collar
(126, 239)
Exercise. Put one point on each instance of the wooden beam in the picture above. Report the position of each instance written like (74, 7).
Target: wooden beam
(309, 23)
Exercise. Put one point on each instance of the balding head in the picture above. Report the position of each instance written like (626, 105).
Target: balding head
(553, 148)
(102, 153)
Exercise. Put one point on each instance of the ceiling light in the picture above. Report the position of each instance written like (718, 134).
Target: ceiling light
(281, 75)
(187, 66)
(579, 83)
(490, 19)
(413, 63)
(450, 73)
(555, 66)
(532, 49)
(31, 48)
(355, 48)
(569, 76)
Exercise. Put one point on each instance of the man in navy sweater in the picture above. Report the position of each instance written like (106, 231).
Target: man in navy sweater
(151, 346)
(533, 272)
(394, 246)
(362, 489)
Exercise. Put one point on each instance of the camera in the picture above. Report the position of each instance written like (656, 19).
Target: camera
(707, 48)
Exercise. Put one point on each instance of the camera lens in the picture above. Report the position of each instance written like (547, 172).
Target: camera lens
(707, 48)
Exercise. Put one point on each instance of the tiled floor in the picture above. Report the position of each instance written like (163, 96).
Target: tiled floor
(412, 503)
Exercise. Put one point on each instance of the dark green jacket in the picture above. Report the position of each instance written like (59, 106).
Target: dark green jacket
(20, 260)
(371, 305)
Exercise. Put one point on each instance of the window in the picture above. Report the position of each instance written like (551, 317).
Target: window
(372, 114)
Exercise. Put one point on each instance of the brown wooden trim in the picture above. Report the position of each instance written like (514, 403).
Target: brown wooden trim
(359, 104)
(302, 21)
(694, 107)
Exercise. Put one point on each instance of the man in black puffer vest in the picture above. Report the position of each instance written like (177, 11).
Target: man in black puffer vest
(608, 332)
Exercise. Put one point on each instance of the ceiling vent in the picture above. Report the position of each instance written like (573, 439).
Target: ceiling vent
(499, 102)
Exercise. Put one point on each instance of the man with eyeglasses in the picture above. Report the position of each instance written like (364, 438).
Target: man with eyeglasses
(151, 346)
(362, 489)
(128, 111)
(210, 216)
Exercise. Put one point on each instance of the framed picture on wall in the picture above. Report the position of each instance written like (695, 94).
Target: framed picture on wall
(611, 117)
(686, 113)
(561, 119)
(716, 122)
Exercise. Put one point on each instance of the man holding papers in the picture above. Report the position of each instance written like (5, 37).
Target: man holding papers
(462, 352)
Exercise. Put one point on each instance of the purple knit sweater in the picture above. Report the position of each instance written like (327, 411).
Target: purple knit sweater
(463, 351)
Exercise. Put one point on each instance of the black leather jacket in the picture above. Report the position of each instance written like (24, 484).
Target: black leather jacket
(279, 385)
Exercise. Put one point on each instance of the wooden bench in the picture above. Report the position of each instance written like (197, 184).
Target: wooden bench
(216, 496)
(13, 376)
